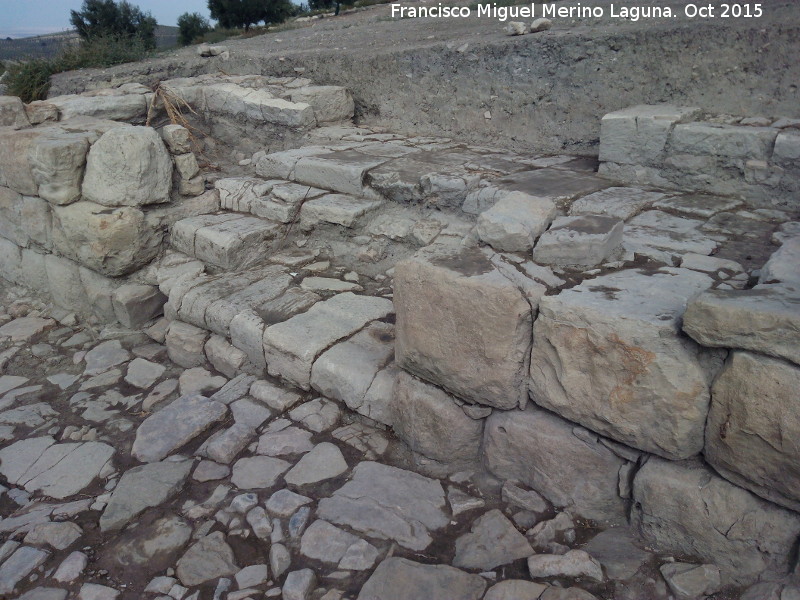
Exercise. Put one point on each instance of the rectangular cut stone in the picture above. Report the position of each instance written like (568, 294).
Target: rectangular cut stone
(586, 240)
(346, 371)
(620, 202)
(257, 105)
(57, 163)
(753, 429)
(557, 185)
(236, 243)
(339, 209)
(661, 236)
(463, 325)
(609, 354)
(784, 264)
(15, 168)
(341, 171)
(238, 193)
(281, 164)
(331, 103)
(726, 141)
(291, 347)
(195, 302)
(685, 509)
(515, 222)
(758, 319)
(568, 465)
(273, 282)
(183, 232)
(638, 135)
(247, 334)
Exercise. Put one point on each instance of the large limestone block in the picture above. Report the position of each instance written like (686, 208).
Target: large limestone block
(57, 162)
(585, 240)
(784, 264)
(403, 579)
(15, 168)
(291, 347)
(65, 283)
(683, 508)
(515, 222)
(464, 326)
(609, 354)
(726, 141)
(638, 135)
(430, 421)
(257, 105)
(12, 113)
(753, 430)
(110, 105)
(764, 319)
(341, 171)
(566, 464)
(113, 242)
(331, 103)
(25, 220)
(128, 166)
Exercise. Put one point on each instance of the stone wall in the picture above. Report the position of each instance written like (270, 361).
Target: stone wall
(682, 148)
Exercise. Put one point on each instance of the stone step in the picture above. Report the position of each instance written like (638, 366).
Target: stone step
(226, 240)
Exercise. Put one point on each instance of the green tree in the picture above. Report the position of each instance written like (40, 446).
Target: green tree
(191, 26)
(106, 18)
(244, 13)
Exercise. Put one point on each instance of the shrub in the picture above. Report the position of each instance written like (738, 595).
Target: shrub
(191, 26)
(106, 18)
(30, 80)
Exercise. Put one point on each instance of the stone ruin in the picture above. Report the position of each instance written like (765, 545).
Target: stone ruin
(577, 349)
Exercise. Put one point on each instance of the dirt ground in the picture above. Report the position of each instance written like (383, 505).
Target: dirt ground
(543, 92)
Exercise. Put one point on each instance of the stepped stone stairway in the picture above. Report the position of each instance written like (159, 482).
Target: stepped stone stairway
(602, 345)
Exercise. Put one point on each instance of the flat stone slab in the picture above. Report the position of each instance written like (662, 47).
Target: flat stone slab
(619, 202)
(338, 209)
(757, 319)
(609, 355)
(326, 542)
(175, 425)
(56, 470)
(617, 551)
(341, 171)
(753, 419)
(493, 541)
(258, 472)
(142, 487)
(660, 235)
(25, 328)
(292, 346)
(208, 558)
(232, 243)
(324, 462)
(403, 579)
(698, 206)
(18, 566)
(388, 503)
(585, 240)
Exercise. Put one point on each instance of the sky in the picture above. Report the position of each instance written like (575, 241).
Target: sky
(21, 18)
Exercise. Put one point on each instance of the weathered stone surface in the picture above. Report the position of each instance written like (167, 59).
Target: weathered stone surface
(318, 415)
(18, 566)
(258, 472)
(684, 508)
(403, 579)
(663, 237)
(143, 373)
(688, 581)
(784, 264)
(515, 589)
(185, 344)
(24, 329)
(323, 462)
(57, 161)
(115, 105)
(177, 138)
(142, 487)
(431, 423)
(291, 347)
(638, 135)
(338, 209)
(128, 166)
(105, 356)
(59, 535)
(136, 304)
(617, 551)
(224, 445)
(585, 241)
(464, 326)
(291, 440)
(754, 425)
(208, 558)
(331, 103)
(15, 169)
(40, 111)
(575, 563)
(44, 593)
(388, 503)
(346, 371)
(299, 585)
(325, 542)
(12, 113)
(515, 222)
(566, 464)
(257, 105)
(342, 171)
(619, 202)
(493, 541)
(757, 319)
(174, 425)
(199, 380)
(57, 470)
(71, 567)
(113, 242)
(725, 141)
(609, 355)
(154, 544)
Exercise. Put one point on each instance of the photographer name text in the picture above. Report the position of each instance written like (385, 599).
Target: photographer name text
(556, 11)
